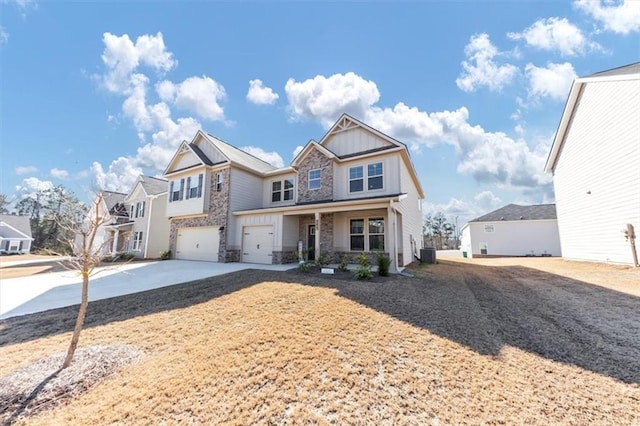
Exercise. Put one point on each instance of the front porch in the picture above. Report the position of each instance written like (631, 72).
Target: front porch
(118, 238)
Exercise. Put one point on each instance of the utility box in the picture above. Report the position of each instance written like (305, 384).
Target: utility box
(428, 255)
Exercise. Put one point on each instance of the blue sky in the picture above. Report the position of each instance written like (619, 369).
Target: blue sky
(94, 93)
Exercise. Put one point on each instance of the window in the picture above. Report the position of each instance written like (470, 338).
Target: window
(376, 234)
(139, 209)
(374, 175)
(175, 190)
(357, 235)
(276, 191)
(219, 182)
(282, 190)
(489, 228)
(131, 212)
(356, 179)
(137, 240)
(373, 234)
(314, 179)
(194, 190)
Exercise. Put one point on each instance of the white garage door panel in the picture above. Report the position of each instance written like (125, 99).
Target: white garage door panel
(198, 244)
(257, 244)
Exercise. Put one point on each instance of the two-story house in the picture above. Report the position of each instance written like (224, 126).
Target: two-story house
(112, 213)
(356, 191)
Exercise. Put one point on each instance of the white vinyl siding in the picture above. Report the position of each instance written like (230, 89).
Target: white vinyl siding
(410, 226)
(512, 238)
(390, 176)
(597, 174)
(157, 227)
(241, 197)
(177, 203)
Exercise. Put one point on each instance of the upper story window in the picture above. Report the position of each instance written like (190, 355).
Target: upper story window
(374, 177)
(140, 208)
(315, 179)
(282, 190)
(194, 186)
(219, 182)
(186, 188)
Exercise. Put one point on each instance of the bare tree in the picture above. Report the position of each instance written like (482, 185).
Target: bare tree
(87, 254)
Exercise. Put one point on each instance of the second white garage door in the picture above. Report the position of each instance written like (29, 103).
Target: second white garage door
(257, 244)
(198, 244)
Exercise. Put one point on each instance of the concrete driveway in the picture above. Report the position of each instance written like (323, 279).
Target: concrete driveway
(37, 293)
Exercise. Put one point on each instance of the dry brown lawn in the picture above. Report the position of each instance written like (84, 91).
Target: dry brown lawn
(461, 343)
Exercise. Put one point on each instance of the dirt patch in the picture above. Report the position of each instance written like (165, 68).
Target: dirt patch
(457, 344)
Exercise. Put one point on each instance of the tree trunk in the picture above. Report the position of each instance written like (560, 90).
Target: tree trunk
(79, 321)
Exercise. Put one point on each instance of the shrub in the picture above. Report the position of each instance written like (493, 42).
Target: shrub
(362, 272)
(383, 264)
(127, 256)
(304, 267)
(165, 255)
(323, 259)
(342, 266)
(363, 260)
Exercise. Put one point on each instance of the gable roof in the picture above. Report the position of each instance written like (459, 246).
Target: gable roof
(114, 202)
(22, 224)
(626, 72)
(240, 157)
(150, 186)
(516, 212)
(348, 122)
(310, 146)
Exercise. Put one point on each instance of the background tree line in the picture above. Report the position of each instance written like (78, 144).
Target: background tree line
(440, 233)
(52, 213)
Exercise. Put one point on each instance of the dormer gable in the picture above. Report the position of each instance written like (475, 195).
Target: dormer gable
(349, 137)
(308, 149)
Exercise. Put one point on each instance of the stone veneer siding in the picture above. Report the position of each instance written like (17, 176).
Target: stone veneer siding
(315, 160)
(217, 215)
(326, 235)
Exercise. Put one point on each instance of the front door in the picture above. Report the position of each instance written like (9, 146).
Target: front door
(311, 242)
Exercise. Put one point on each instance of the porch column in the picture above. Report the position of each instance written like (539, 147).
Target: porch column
(391, 236)
(114, 245)
(317, 247)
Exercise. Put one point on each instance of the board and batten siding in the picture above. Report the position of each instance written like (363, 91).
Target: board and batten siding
(210, 151)
(390, 177)
(597, 174)
(354, 140)
(186, 159)
(244, 194)
(513, 238)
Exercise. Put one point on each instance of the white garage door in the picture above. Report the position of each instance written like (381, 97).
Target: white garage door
(257, 244)
(198, 244)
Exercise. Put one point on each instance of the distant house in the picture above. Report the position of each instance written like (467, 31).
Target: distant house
(356, 191)
(112, 209)
(595, 161)
(513, 230)
(15, 234)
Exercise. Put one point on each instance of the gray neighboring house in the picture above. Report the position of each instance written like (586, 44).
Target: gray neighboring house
(513, 230)
(15, 234)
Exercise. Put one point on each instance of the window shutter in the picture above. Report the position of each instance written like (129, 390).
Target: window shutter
(188, 187)
(181, 195)
(143, 205)
(200, 185)
(170, 194)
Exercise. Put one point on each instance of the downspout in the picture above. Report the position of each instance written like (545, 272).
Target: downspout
(146, 239)
(394, 222)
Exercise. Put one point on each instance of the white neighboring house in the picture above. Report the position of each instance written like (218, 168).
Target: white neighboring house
(108, 239)
(148, 225)
(15, 234)
(513, 230)
(595, 161)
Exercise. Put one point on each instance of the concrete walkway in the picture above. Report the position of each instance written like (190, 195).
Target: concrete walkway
(41, 292)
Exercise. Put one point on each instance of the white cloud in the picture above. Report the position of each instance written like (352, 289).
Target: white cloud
(618, 17)
(325, 98)
(120, 176)
(552, 81)
(480, 67)
(31, 185)
(272, 158)
(297, 151)
(59, 173)
(465, 210)
(4, 35)
(200, 95)
(23, 170)
(122, 57)
(556, 34)
(260, 94)
(492, 157)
